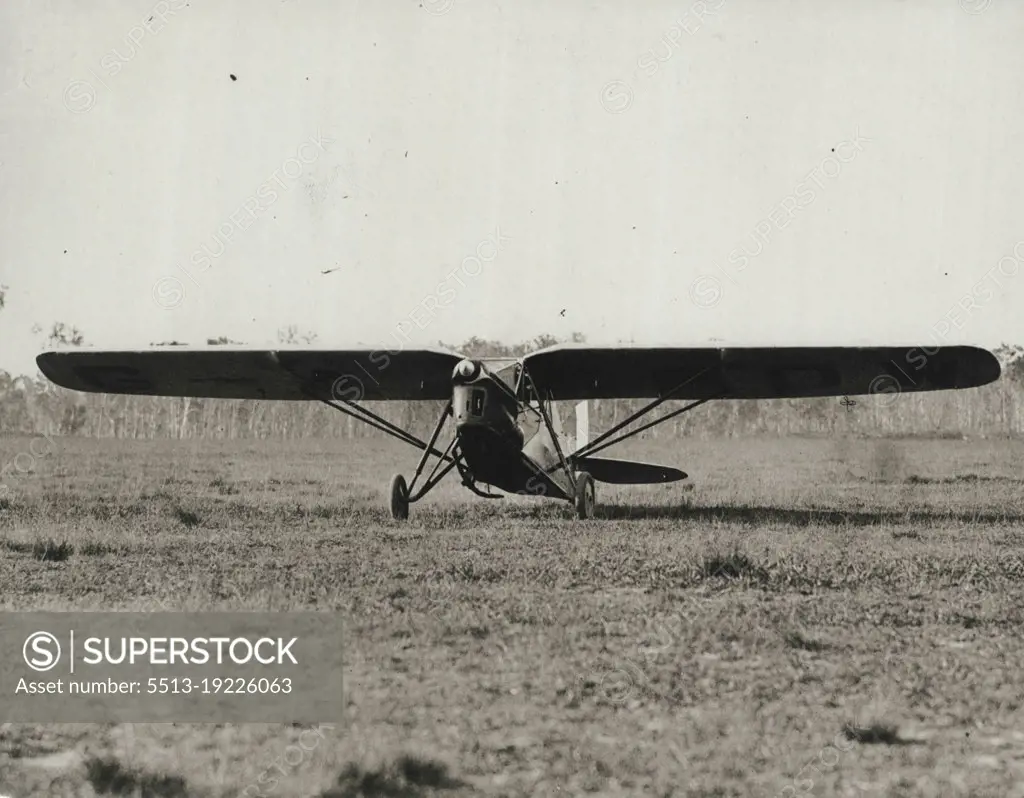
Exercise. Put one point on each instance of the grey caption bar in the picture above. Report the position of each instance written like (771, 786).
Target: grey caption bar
(170, 667)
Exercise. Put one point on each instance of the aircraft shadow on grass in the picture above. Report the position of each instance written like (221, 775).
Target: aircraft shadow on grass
(753, 514)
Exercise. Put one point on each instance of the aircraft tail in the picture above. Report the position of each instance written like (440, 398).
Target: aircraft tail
(582, 425)
(556, 419)
(628, 472)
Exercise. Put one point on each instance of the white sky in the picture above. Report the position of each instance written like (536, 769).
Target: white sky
(615, 214)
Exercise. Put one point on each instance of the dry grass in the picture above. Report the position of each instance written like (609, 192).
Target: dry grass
(850, 605)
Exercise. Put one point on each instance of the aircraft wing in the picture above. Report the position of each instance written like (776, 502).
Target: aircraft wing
(575, 372)
(224, 373)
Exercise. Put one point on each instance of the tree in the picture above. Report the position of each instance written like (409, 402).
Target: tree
(62, 335)
(1011, 358)
(292, 335)
(72, 409)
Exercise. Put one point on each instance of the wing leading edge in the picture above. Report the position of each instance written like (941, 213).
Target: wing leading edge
(575, 372)
(220, 373)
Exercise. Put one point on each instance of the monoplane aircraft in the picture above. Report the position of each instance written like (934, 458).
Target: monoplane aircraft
(491, 402)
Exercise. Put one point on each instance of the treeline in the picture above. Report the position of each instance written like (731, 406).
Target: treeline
(33, 405)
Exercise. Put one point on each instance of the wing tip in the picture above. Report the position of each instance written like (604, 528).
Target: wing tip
(956, 367)
(44, 360)
(987, 368)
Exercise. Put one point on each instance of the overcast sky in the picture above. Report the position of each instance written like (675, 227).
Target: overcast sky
(662, 172)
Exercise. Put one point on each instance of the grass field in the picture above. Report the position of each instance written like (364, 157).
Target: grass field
(853, 606)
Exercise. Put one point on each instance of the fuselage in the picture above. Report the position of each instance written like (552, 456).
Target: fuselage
(494, 441)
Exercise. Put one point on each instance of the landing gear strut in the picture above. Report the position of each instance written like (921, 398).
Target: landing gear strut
(402, 494)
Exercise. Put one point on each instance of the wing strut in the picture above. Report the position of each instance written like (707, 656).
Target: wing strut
(589, 450)
(368, 417)
(598, 444)
(371, 419)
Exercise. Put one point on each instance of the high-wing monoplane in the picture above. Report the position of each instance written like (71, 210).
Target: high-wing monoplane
(492, 402)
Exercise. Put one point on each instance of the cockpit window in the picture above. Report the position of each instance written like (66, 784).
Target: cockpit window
(477, 402)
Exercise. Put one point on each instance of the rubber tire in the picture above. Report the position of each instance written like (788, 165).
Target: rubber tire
(585, 496)
(399, 498)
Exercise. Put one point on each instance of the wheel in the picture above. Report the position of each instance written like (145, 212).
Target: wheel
(584, 495)
(399, 498)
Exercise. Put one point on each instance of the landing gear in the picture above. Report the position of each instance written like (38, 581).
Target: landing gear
(399, 498)
(584, 499)
(402, 494)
